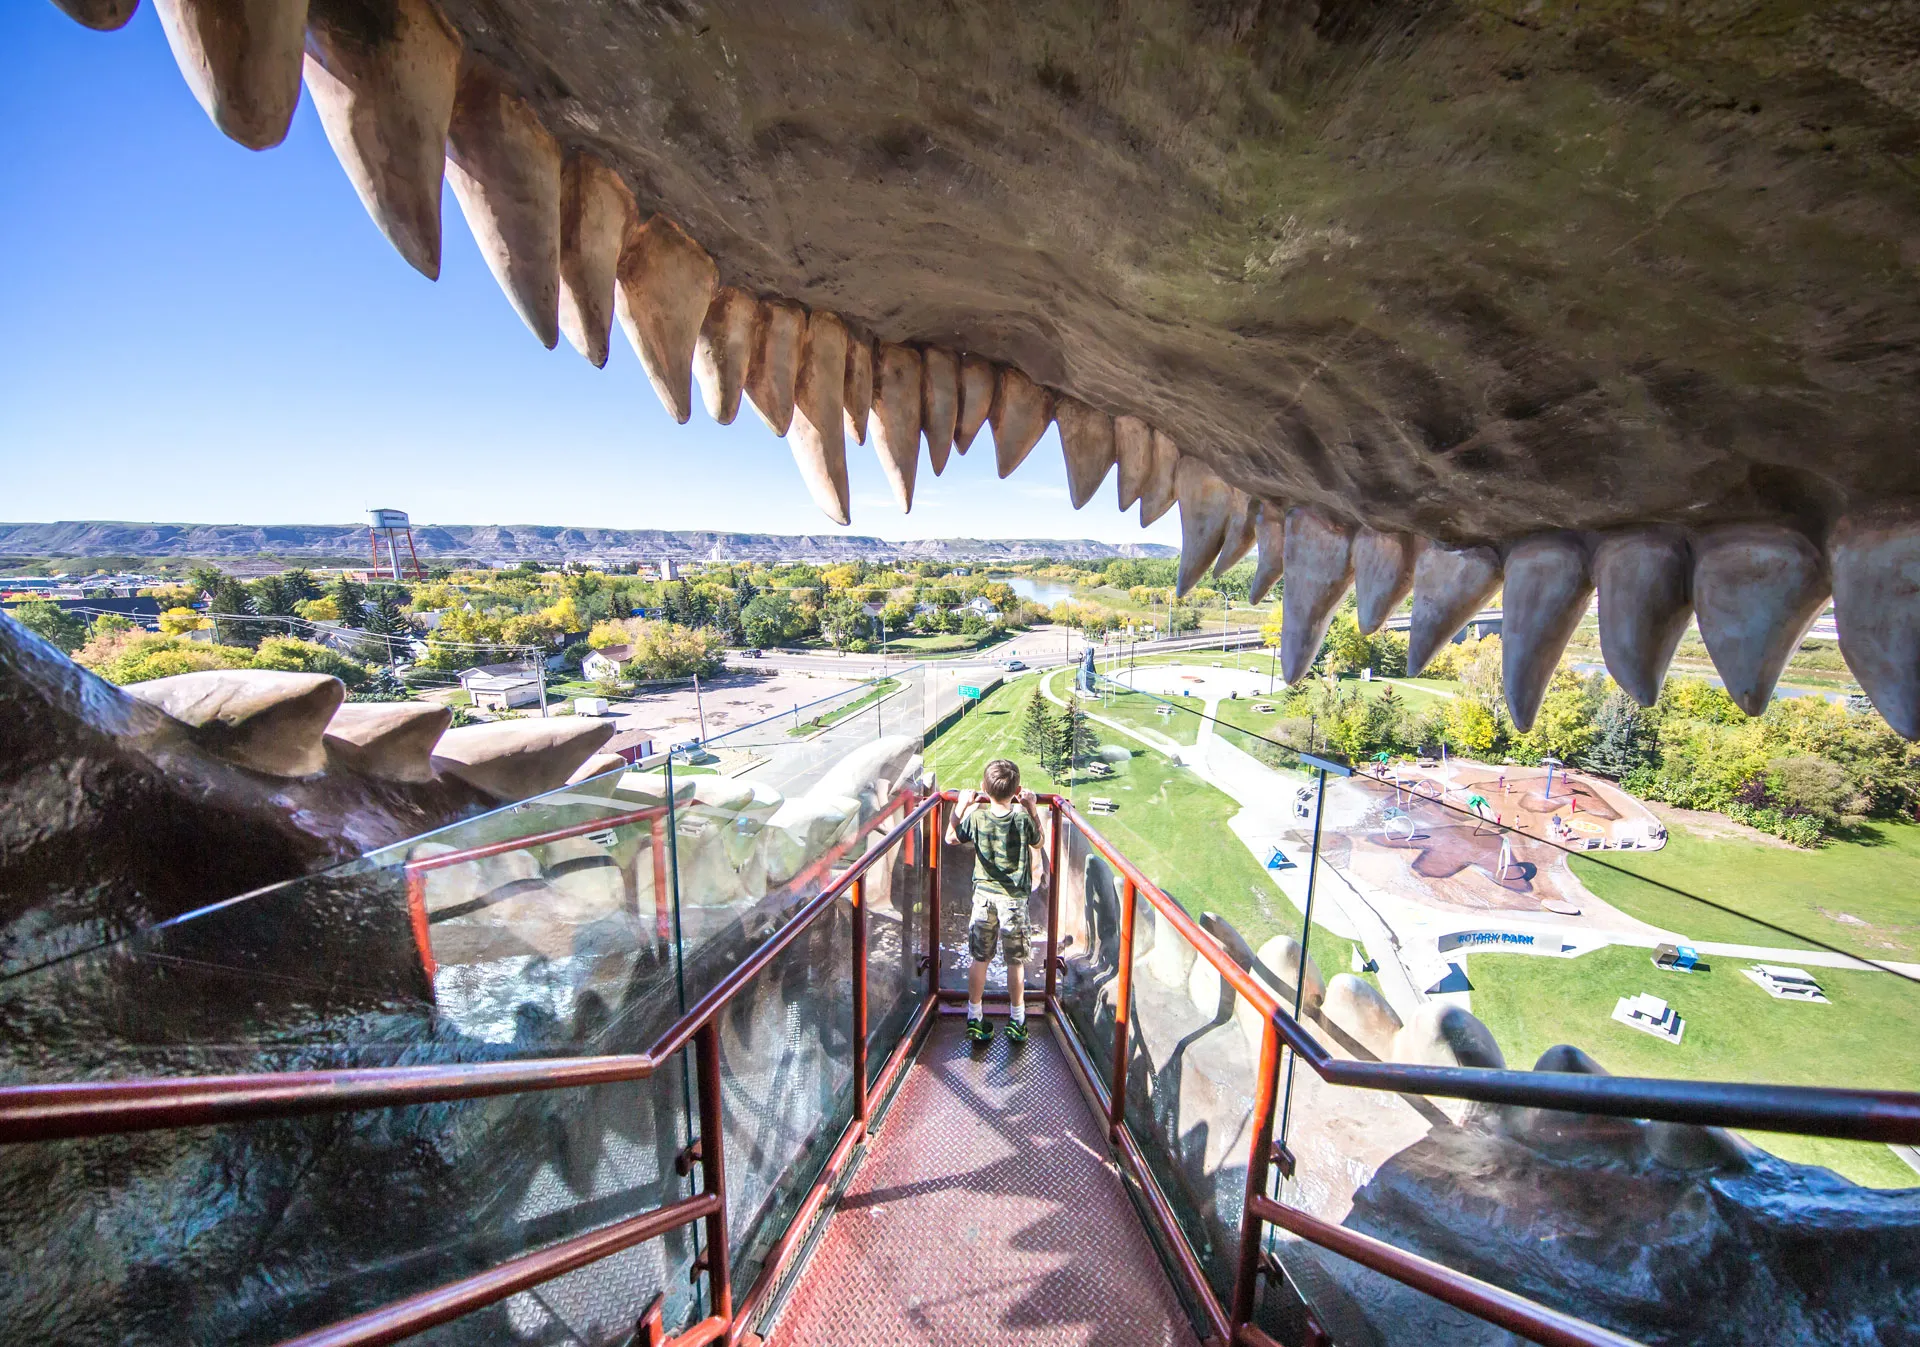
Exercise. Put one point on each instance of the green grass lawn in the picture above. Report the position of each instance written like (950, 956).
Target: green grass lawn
(883, 688)
(1170, 823)
(1734, 1031)
(1139, 711)
(1862, 896)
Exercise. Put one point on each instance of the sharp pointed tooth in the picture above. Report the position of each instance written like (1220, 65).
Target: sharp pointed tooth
(596, 215)
(779, 331)
(723, 351)
(505, 171)
(1086, 439)
(1157, 493)
(859, 387)
(1021, 410)
(895, 423)
(266, 721)
(385, 103)
(1449, 586)
(1547, 587)
(1382, 574)
(1243, 526)
(666, 290)
(1645, 578)
(976, 400)
(1756, 590)
(1270, 535)
(1319, 570)
(103, 16)
(1876, 604)
(1133, 451)
(1205, 504)
(393, 740)
(819, 433)
(512, 759)
(939, 403)
(241, 58)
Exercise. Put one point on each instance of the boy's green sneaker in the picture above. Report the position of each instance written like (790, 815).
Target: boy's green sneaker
(979, 1031)
(1016, 1031)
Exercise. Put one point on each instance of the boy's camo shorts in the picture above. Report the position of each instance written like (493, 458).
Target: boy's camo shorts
(998, 917)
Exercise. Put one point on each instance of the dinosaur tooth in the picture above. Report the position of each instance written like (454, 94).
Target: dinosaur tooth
(264, 720)
(779, 331)
(818, 435)
(1270, 536)
(385, 104)
(242, 60)
(1876, 605)
(505, 172)
(1157, 492)
(393, 740)
(1547, 586)
(939, 403)
(596, 213)
(1319, 569)
(1205, 504)
(1086, 439)
(666, 289)
(103, 16)
(1382, 574)
(895, 422)
(1645, 578)
(1133, 451)
(513, 759)
(1756, 590)
(1450, 585)
(859, 394)
(1243, 527)
(1020, 413)
(976, 400)
(723, 351)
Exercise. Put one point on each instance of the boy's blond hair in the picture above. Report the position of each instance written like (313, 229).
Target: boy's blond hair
(1001, 780)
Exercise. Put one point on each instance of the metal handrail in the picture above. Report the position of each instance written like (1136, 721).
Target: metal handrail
(1854, 1114)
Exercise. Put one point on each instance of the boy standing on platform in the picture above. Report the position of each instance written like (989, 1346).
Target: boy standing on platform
(1003, 825)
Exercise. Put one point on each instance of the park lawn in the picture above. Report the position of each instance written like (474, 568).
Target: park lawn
(1734, 1031)
(1137, 710)
(1170, 823)
(884, 688)
(1874, 880)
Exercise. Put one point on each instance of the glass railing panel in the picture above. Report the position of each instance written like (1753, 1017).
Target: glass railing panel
(786, 1063)
(1509, 921)
(895, 894)
(1092, 906)
(250, 1233)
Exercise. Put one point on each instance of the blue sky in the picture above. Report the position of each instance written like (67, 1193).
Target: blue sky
(191, 331)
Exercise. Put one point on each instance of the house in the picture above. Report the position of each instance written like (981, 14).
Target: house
(606, 664)
(501, 687)
(980, 606)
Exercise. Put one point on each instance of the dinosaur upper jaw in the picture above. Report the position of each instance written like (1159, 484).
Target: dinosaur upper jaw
(1617, 299)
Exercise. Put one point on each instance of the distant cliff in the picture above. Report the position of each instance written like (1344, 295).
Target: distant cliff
(509, 543)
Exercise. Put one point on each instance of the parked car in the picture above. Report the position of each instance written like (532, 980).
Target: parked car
(1015, 666)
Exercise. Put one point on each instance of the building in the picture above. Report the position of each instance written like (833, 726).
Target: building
(606, 664)
(501, 687)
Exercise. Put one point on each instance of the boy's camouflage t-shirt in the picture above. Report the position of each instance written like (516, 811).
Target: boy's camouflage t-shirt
(1002, 848)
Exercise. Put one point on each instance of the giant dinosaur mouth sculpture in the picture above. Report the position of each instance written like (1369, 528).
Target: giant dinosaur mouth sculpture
(1406, 295)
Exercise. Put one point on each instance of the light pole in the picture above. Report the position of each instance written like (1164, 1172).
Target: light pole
(1225, 605)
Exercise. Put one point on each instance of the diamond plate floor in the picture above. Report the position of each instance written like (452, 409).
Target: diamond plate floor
(985, 1212)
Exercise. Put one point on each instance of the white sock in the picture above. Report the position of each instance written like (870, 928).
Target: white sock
(1018, 1014)
(975, 1011)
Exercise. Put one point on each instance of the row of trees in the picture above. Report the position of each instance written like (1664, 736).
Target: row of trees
(1057, 739)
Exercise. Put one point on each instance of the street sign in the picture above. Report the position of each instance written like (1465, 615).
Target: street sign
(972, 694)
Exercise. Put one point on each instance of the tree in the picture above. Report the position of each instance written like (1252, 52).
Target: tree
(1623, 738)
(230, 602)
(53, 624)
(1078, 740)
(670, 650)
(1564, 727)
(204, 579)
(840, 621)
(296, 656)
(179, 621)
(347, 600)
(107, 624)
(1037, 732)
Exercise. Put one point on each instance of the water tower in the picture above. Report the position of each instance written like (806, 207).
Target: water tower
(393, 523)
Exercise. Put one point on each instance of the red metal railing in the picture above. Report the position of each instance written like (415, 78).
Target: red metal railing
(1865, 1115)
(47, 1112)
